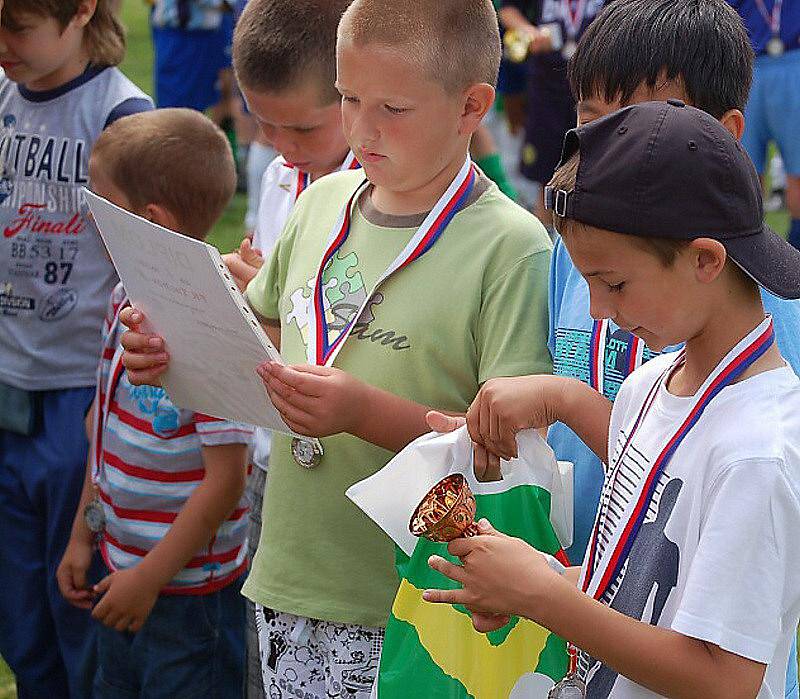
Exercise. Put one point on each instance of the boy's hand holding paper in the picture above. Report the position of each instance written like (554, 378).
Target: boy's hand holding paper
(316, 401)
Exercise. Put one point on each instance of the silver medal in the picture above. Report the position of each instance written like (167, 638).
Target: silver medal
(775, 47)
(306, 453)
(569, 688)
(569, 49)
(94, 517)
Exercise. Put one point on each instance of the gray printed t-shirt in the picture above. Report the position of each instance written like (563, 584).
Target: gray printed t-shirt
(55, 276)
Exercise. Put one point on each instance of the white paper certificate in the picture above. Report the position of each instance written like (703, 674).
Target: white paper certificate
(188, 297)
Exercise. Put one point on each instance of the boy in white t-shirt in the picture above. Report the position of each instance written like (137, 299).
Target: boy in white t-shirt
(689, 586)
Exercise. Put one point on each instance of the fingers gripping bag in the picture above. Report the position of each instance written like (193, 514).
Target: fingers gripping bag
(432, 650)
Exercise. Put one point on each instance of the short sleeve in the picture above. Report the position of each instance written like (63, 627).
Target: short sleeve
(512, 329)
(743, 577)
(132, 105)
(264, 290)
(555, 297)
(214, 432)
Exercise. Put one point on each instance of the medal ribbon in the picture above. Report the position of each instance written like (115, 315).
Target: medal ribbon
(304, 179)
(772, 19)
(736, 362)
(322, 352)
(114, 373)
(597, 354)
(573, 20)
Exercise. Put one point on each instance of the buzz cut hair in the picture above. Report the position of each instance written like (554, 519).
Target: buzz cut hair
(176, 158)
(283, 44)
(457, 42)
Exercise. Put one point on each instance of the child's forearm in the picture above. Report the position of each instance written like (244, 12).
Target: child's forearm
(205, 510)
(662, 660)
(80, 531)
(511, 18)
(389, 421)
(586, 412)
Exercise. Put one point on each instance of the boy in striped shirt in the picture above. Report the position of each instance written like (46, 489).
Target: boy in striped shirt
(164, 486)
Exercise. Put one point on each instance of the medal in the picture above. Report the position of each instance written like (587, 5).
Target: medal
(775, 47)
(569, 49)
(95, 517)
(572, 23)
(306, 452)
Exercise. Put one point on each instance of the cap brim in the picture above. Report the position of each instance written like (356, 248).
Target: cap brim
(770, 260)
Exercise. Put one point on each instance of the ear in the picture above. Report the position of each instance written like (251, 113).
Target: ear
(85, 12)
(478, 100)
(733, 120)
(162, 216)
(709, 258)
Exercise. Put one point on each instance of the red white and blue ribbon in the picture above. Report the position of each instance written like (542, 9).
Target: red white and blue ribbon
(321, 350)
(597, 577)
(573, 20)
(773, 19)
(634, 354)
(597, 354)
(303, 179)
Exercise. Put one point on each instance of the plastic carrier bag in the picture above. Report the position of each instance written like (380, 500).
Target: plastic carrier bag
(432, 650)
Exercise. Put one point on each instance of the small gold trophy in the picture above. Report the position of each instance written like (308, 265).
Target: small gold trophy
(447, 512)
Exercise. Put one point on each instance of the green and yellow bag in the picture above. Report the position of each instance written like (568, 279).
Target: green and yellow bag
(430, 650)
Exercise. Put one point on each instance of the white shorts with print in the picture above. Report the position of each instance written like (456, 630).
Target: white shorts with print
(304, 658)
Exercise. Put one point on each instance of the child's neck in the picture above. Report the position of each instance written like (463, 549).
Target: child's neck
(333, 168)
(72, 69)
(420, 199)
(719, 336)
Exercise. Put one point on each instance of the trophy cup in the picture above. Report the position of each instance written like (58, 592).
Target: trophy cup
(447, 512)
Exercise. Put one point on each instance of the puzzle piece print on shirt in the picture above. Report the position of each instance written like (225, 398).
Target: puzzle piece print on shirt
(342, 271)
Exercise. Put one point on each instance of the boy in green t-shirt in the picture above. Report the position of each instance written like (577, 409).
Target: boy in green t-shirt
(467, 302)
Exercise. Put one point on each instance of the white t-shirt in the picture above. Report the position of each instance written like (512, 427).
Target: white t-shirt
(716, 557)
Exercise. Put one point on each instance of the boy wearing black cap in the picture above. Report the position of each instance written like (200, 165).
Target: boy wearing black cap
(689, 585)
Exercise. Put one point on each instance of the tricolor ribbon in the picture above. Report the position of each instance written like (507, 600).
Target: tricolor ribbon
(573, 20)
(320, 350)
(597, 354)
(303, 179)
(597, 577)
(773, 19)
(103, 400)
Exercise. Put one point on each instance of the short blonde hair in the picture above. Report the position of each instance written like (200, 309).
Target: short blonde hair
(103, 36)
(456, 41)
(176, 158)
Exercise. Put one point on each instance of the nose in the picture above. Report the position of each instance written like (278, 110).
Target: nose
(600, 305)
(281, 140)
(363, 129)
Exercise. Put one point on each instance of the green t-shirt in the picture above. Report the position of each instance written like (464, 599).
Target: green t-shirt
(472, 308)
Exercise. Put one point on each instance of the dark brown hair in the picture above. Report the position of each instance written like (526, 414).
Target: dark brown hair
(456, 41)
(103, 36)
(280, 44)
(177, 158)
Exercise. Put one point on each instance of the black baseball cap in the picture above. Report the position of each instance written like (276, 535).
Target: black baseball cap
(667, 170)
